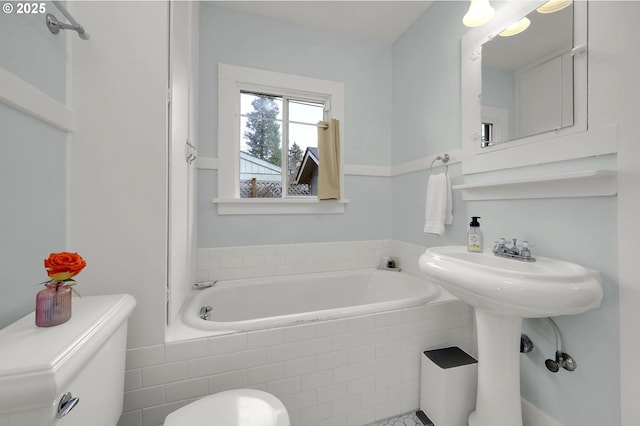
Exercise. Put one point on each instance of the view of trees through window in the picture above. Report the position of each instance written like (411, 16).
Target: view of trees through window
(262, 131)
(271, 125)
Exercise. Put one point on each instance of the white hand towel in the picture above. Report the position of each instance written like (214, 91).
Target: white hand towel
(439, 205)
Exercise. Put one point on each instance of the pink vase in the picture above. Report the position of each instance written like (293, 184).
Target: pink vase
(53, 304)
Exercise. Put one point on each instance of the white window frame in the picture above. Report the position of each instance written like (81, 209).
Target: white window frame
(232, 80)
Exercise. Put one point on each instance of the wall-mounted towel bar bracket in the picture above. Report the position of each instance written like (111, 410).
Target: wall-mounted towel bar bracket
(444, 158)
(55, 25)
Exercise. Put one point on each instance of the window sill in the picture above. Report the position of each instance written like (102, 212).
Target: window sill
(236, 206)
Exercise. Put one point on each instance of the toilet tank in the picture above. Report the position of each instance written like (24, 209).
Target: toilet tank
(84, 356)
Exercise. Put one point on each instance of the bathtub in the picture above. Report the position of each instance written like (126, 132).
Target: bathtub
(331, 346)
(260, 303)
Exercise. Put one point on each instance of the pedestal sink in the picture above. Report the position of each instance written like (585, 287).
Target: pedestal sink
(503, 291)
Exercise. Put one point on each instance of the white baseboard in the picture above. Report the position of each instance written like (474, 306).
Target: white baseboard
(533, 416)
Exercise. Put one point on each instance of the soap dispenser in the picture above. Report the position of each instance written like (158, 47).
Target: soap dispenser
(474, 236)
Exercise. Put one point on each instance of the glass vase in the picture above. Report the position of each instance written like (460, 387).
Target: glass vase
(53, 304)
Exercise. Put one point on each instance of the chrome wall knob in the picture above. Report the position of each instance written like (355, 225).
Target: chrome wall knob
(66, 404)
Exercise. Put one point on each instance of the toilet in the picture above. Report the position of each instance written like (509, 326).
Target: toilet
(66, 374)
(238, 407)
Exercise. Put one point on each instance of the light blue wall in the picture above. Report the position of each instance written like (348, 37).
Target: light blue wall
(31, 52)
(426, 117)
(426, 84)
(32, 166)
(408, 208)
(426, 121)
(253, 41)
(364, 68)
(366, 217)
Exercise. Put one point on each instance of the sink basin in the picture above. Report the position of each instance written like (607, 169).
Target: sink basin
(503, 292)
(545, 288)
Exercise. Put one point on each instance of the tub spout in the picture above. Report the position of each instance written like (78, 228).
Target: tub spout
(204, 284)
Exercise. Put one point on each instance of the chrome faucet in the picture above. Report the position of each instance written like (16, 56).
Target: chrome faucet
(204, 284)
(513, 252)
(500, 247)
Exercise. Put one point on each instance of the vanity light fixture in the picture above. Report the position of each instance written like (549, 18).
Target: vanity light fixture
(516, 28)
(480, 12)
(554, 6)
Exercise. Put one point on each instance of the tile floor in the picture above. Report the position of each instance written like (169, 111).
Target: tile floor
(409, 419)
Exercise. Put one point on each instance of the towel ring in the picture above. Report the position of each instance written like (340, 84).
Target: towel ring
(444, 158)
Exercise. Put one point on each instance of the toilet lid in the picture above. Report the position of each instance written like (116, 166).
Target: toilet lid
(239, 407)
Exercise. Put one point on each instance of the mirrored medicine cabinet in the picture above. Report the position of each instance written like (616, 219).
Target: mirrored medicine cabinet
(525, 88)
(527, 79)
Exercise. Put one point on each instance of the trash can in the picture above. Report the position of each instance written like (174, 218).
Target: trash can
(449, 377)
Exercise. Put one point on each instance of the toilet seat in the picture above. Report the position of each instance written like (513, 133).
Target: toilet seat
(238, 407)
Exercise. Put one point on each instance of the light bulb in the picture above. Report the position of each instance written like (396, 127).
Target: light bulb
(516, 28)
(480, 12)
(554, 6)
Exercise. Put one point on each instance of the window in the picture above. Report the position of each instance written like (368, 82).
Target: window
(278, 145)
(267, 140)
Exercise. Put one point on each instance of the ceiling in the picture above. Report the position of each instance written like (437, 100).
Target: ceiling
(376, 21)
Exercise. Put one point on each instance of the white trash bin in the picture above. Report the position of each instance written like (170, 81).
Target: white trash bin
(449, 378)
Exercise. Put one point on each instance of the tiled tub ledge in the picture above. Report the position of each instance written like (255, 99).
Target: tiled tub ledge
(351, 371)
(227, 263)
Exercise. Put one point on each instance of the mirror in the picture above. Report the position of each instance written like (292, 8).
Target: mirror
(527, 82)
(566, 142)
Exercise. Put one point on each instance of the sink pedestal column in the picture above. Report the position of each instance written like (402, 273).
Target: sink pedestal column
(498, 399)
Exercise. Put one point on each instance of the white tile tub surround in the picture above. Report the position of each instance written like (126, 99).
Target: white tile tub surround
(351, 371)
(286, 259)
(408, 254)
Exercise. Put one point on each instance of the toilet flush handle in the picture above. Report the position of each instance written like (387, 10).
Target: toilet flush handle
(67, 402)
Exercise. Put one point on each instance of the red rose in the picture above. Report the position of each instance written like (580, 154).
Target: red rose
(64, 266)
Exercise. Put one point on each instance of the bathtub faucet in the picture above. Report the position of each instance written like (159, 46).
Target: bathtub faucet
(390, 263)
(205, 312)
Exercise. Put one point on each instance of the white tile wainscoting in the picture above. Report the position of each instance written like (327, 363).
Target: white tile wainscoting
(285, 259)
(226, 263)
(351, 371)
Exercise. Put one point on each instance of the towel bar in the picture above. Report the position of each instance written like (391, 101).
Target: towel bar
(444, 158)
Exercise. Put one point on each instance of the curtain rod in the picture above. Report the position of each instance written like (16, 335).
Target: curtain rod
(54, 25)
